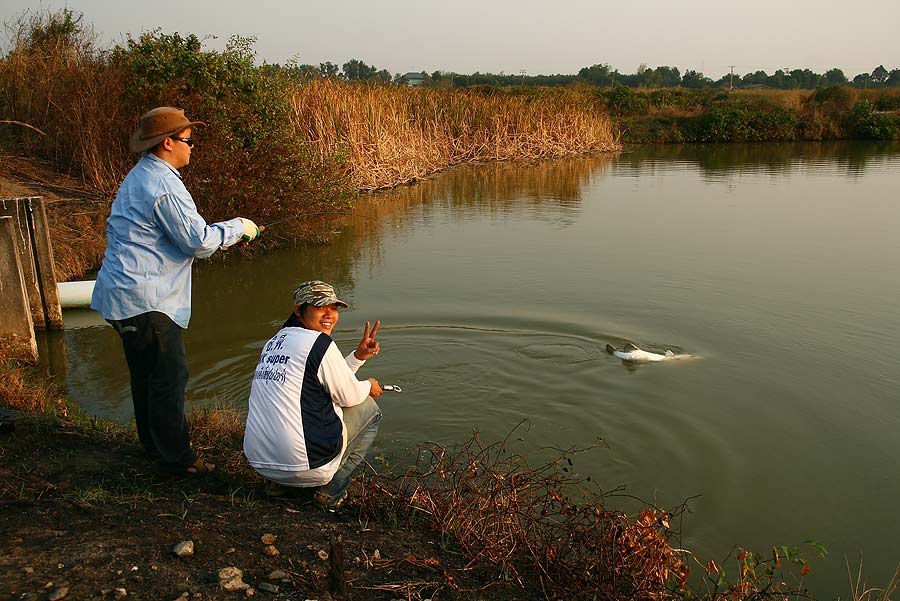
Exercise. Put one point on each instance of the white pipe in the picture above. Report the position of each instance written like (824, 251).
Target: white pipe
(75, 294)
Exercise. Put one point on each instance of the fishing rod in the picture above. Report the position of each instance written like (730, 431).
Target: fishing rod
(246, 239)
(263, 228)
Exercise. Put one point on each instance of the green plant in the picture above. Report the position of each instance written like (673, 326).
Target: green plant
(838, 97)
(92, 495)
(866, 123)
(622, 100)
(725, 125)
(757, 576)
(252, 160)
(888, 102)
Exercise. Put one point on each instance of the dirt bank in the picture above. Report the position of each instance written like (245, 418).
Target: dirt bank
(82, 511)
(76, 214)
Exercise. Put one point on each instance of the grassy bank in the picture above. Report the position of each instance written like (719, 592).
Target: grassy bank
(473, 520)
(677, 115)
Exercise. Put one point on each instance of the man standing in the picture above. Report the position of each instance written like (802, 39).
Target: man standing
(144, 286)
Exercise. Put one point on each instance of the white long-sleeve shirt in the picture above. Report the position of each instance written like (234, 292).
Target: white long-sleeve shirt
(295, 422)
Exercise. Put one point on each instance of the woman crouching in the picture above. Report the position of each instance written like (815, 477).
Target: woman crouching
(311, 420)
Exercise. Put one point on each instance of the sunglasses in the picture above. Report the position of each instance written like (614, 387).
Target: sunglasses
(188, 141)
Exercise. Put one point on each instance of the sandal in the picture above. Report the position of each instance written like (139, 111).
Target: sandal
(198, 468)
(329, 502)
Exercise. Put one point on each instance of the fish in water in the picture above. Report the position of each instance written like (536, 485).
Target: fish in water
(631, 352)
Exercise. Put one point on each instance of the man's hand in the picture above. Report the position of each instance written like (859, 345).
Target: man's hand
(251, 232)
(368, 346)
(375, 390)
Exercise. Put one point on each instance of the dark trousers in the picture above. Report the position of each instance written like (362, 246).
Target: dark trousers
(154, 350)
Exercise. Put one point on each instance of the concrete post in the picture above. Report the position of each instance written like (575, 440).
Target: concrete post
(16, 328)
(32, 245)
(43, 259)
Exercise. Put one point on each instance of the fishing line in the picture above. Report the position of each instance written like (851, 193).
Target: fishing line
(263, 228)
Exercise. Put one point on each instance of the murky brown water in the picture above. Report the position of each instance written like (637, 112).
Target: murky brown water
(499, 285)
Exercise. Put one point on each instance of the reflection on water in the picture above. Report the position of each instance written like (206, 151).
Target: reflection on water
(499, 286)
(715, 160)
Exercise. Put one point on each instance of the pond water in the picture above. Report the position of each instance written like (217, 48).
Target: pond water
(499, 285)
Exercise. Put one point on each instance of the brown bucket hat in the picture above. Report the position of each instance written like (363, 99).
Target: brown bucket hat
(157, 124)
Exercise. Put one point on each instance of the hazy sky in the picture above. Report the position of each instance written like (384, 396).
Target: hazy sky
(546, 37)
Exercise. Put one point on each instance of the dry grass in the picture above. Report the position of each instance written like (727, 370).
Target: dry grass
(217, 433)
(789, 99)
(392, 135)
(65, 89)
(22, 390)
(860, 592)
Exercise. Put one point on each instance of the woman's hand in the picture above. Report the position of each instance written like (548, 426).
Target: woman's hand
(368, 346)
(375, 390)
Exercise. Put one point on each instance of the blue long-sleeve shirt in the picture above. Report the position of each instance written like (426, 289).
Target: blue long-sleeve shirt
(153, 234)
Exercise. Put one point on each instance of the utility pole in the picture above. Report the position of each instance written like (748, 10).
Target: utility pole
(731, 79)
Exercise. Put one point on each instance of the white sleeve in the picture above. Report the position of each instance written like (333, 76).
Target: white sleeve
(353, 363)
(340, 381)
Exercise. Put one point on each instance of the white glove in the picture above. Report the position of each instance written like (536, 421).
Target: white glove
(251, 231)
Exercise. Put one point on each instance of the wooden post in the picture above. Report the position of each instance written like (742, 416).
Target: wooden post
(32, 245)
(16, 328)
(337, 581)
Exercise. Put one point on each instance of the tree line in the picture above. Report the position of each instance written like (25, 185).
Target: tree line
(603, 75)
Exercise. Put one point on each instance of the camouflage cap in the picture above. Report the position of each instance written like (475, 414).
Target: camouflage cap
(317, 293)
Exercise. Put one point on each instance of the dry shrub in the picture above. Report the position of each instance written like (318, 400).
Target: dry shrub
(55, 80)
(391, 135)
(550, 531)
(525, 524)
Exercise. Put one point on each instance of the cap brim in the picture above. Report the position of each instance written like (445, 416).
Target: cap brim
(324, 302)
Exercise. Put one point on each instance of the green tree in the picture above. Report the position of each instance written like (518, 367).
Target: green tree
(836, 77)
(863, 80)
(598, 75)
(880, 75)
(694, 79)
(356, 70)
(328, 69)
(894, 78)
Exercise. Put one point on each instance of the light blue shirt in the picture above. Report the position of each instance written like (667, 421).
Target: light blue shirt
(153, 235)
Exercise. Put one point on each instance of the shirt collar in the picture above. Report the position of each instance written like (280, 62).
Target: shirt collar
(152, 157)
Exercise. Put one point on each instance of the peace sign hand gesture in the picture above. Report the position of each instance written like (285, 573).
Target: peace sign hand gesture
(368, 346)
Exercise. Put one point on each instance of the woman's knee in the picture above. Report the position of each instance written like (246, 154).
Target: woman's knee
(363, 416)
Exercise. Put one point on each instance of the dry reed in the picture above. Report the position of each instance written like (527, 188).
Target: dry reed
(393, 135)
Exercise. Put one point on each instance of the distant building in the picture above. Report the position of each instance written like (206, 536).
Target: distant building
(414, 79)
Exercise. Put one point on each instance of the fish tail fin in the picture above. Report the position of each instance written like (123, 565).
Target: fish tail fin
(610, 349)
